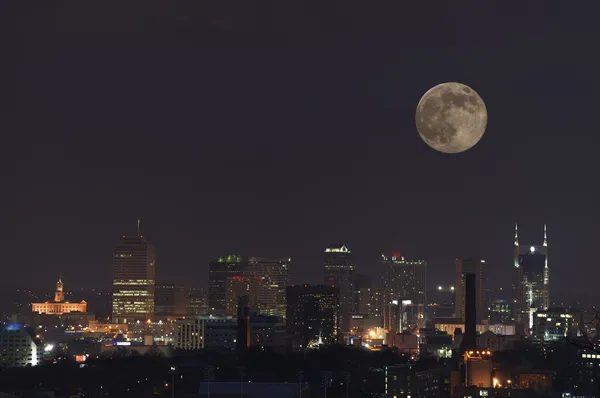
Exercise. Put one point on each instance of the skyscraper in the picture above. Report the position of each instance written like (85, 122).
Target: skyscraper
(312, 315)
(273, 276)
(404, 281)
(218, 271)
(532, 288)
(339, 272)
(470, 266)
(133, 279)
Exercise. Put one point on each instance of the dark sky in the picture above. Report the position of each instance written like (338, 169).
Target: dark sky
(268, 129)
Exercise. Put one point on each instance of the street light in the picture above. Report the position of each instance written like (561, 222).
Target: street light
(173, 381)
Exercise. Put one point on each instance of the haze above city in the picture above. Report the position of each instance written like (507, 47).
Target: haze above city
(278, 145)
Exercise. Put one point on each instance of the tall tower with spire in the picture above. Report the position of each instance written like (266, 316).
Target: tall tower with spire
(532, 287)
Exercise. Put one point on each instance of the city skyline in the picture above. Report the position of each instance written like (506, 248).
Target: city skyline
(277, 143)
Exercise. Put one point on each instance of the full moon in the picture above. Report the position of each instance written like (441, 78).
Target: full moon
(451, 117)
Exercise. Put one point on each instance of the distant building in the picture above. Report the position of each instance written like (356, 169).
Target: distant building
(19, 347)
(245, 283)
(170, 299)
(500, 311)
(339, 272)
(273, 276)
(134, 265)
(59, 306)
(556, 324)
(471, 266)
(197, 302)
(404, 281)
(219, 332)
(449, 326)
(497, 342)
(412, 380)
(532, 287)
(313, 315)
(218, 271)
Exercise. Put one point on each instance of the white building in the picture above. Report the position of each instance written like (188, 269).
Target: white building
(19, 347)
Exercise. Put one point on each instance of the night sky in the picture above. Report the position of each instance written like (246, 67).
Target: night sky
(274, 130)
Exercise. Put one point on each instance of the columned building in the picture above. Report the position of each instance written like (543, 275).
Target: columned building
(134, 265)
(532, 288)
(59, 306)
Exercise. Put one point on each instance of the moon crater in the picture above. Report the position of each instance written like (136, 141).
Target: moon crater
(451, 117)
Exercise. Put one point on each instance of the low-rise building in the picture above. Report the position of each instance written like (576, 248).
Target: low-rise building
(19, 347)
(220, 332)
(59, 306)
(412, 380)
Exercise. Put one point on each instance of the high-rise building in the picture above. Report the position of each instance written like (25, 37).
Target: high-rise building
(197, 301)
(405, 286)
(219, 269)
(170, 299)
(532, 288)
(470, 266)
(339, 272)
(243, 284)
(312, 315)
(133, 280)
(273, 276)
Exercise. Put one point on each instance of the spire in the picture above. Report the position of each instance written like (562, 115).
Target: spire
(516, 235)
(138, 228)
(545, 236)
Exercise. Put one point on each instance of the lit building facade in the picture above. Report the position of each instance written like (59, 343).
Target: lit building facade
(339, 272)
(532, 288)
(134, 266)
(313, 315)
(218, 271)
(471, 266)
(556, 324)
(500, 311)
(59, 306)
(19, 347)
(273, 276)
(404, 281)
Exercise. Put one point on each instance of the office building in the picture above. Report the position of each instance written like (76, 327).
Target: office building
(59, 306)
(134, 266)
(197, 301)
(476, 267)
(313, 315)
(19, 347)
(245, 284)
(556, 324)
(170, 299)
(412, 380)
(273, 276)
(339, 272)
(500, 311)
(222, 333)
(404, 282)
(532, 288)
(219, 270)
